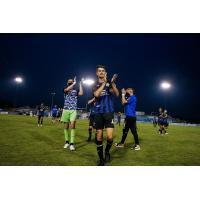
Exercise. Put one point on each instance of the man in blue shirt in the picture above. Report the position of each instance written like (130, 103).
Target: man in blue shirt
(54, 112)
(130, 120)
(104, 111)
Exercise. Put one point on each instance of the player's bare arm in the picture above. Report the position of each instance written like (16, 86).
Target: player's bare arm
(80, 88)
(97, 92)
(91, 100)
(67, 89)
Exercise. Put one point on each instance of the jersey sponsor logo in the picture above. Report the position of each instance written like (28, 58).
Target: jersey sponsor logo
(104, 93)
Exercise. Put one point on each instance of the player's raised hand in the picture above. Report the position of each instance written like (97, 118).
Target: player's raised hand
(123, 91)
(105, 78)
(74, 80)
(114, 78)
(82, 79)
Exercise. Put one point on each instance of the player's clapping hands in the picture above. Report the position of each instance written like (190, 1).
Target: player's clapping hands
(114, 78)
(123, 91)
(74, 80)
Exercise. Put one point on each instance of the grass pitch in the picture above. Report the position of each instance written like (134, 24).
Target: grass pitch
(23, 143)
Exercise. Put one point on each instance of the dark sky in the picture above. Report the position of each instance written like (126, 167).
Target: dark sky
(141, 60)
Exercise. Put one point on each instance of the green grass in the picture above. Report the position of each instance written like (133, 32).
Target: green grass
(22, 143)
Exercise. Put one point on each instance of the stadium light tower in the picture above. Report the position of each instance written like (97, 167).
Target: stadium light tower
(165, 86)
(87, 82)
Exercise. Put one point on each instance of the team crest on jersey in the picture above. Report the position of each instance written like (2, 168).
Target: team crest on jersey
(107, 84)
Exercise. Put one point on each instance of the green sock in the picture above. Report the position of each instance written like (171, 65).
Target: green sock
(73, 133)
(66, 133)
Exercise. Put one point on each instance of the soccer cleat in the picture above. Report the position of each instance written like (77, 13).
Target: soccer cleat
(101, 162)
(136, 147)
(72, 147)
(66, 145)
(107, 157)
(38, 125)
(41, 125)
(119, 145)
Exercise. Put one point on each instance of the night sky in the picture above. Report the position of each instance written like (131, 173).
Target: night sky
(142, 61)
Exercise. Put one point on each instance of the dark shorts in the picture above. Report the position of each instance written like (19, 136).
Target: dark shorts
(91, 120)
(104, 120)
(165, 123)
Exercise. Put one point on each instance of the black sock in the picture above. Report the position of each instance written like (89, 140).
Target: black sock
(108, 146)
(100, 149)
(124, 136)
(95, 137)
(71, 143)
(66, 142)
(90, 132)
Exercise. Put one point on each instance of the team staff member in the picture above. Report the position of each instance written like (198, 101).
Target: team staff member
(69, 111)
(130, 120)
(104, 111)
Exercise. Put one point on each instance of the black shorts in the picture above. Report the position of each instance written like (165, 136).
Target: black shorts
(91, 120)
(104, 120)
(165, 124)
(130, 123)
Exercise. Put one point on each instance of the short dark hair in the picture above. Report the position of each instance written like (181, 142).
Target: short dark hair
(101, 66)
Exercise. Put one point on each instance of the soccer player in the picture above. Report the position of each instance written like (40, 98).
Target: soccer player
(160, 120)
(69, 113)
(40, 114)
(104, 111)
(59, 114)
(130, 120)
(91, 102)
(165, 122)
(119, 118)
(54, 112)
(154, 120)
